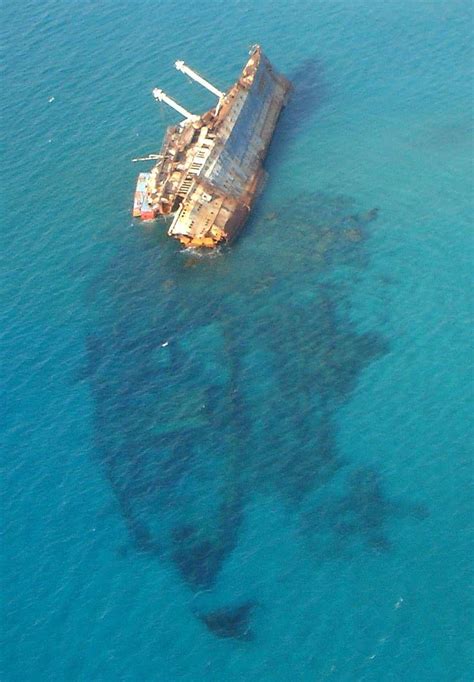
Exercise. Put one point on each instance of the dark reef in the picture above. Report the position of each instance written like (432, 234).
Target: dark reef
(231, 622)
(362, 513)
(215, 382)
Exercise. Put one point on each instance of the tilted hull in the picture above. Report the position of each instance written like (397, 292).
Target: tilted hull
(210, 167)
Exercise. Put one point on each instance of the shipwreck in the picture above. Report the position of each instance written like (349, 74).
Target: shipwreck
(210, 167)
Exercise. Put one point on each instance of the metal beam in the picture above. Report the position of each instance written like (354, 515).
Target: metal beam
(163, 97)
(181, 66)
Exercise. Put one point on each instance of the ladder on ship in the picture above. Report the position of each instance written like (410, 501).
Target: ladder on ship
(186, 184)
(195, 168)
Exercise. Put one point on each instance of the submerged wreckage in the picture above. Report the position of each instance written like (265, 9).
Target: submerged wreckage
(209, 169)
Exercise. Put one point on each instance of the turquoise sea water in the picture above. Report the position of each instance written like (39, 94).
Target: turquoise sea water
(318, 481)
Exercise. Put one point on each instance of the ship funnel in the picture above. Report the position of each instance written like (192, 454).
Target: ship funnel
(181, 66)
(163, 97)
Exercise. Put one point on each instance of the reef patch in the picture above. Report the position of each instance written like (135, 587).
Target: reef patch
(221, 381)
(231, 622)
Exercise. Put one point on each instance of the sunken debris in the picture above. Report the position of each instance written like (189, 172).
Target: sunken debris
(204, 404)
(232, 622)
(209, 169)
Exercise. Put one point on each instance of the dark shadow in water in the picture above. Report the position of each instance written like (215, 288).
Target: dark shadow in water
(199, 559)
(363, 512)
(231, 622)
(364, 509)
(218, 378)
(310, 92)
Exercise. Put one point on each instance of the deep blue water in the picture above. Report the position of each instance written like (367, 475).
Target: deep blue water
(282, 429)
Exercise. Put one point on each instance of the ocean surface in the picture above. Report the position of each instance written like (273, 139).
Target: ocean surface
(255, 465)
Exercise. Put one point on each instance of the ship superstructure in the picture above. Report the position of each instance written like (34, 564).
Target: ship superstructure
(209, 169)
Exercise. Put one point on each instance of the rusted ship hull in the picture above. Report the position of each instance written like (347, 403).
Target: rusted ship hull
(210, 167)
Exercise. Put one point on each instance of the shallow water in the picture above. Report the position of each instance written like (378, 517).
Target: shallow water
(254, 465)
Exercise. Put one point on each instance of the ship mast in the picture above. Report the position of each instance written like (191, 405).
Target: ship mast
(163, 97)
(181, 66)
